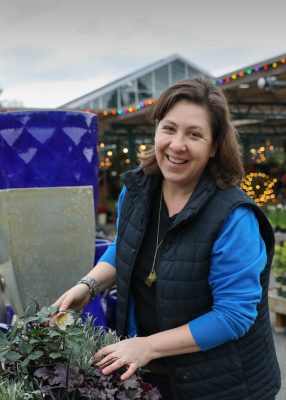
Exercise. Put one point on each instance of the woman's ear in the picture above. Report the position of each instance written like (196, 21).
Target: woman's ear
(213, 153)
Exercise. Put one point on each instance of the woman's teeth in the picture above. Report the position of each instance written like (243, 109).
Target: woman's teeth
(176, 160)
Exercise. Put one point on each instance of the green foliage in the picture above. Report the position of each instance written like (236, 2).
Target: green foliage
(10, 390)
(276, 215)
(49, 356)
(279, 269)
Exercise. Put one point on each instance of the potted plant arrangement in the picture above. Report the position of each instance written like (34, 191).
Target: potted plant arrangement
(279, 269)
(49, 357)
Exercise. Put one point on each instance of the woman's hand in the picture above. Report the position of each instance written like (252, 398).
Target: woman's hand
(75, 298)
(79, 295)
(133, 353)
(137, 352)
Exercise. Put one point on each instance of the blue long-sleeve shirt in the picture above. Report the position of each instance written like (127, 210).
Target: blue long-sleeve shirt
(238, 257)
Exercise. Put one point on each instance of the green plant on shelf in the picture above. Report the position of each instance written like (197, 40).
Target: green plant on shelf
(279, 269)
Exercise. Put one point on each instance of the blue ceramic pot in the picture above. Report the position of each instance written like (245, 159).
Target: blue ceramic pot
(48, 148)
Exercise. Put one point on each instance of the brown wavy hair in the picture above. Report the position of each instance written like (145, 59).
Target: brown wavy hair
(226, 167)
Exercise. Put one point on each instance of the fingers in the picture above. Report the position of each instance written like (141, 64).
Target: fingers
(115, 363)
(102, 353)
(61, 303)
(66, 305)
(104, 364)
(131, 371)
(57, 303)
(64, 302)
(129, 353)
(110, 362)
(112, 365)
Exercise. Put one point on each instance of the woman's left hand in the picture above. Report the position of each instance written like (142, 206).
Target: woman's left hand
(133, 353)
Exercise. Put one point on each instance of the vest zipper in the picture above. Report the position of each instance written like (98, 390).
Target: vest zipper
(129, 280)
(156, 291)
(183, 222)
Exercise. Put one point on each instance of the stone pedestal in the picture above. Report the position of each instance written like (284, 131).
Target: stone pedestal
(47, 238)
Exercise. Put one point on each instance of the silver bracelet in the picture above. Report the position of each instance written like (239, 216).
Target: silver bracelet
(92, 285)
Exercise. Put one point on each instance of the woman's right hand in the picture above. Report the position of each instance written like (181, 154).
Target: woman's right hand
(79, 295)
(75, 298)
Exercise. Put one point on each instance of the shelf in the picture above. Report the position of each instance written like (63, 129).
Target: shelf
(278, 305)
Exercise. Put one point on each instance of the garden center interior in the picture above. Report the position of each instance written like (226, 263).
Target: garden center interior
(257, 97)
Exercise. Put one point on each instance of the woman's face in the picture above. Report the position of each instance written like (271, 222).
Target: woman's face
(183, 144)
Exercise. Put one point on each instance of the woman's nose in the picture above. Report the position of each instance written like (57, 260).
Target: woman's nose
(178, 143)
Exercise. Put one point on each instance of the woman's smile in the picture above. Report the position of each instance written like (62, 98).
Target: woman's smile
(176, 161)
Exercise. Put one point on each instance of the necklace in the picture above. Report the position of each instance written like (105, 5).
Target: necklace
(152, 277)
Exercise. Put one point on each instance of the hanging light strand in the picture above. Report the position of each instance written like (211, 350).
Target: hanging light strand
(124, 111)
(220, 81)
(249, 71)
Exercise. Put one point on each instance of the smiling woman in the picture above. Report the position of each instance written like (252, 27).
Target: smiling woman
(191, 259)
(209, 120)
(183, 145)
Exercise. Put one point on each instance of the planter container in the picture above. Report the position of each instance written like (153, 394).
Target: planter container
(48, 148)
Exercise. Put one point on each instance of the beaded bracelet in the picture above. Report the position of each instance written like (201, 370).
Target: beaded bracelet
(91, 283)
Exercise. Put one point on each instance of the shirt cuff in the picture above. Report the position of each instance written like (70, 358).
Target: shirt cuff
(208, 331)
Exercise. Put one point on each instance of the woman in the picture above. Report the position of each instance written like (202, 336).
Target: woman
(192, 261)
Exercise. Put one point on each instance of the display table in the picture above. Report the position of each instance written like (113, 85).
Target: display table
(277, 304)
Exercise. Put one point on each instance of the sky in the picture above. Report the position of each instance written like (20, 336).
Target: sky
(53, 51)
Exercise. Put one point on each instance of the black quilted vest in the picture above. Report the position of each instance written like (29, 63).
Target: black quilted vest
(245, 369)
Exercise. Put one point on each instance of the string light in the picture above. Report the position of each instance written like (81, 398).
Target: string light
(220, 81)
(123, 111)
(259, 186)
(248, 71)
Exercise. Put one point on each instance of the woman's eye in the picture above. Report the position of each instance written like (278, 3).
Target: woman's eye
(195, 135)
(168, 128)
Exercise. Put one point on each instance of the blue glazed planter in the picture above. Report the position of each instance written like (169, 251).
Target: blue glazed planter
(100, 248)
(48, 148)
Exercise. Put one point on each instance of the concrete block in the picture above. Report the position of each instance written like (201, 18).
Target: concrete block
(47, 239)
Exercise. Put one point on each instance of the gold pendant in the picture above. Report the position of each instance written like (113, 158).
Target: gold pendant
(151, 278)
